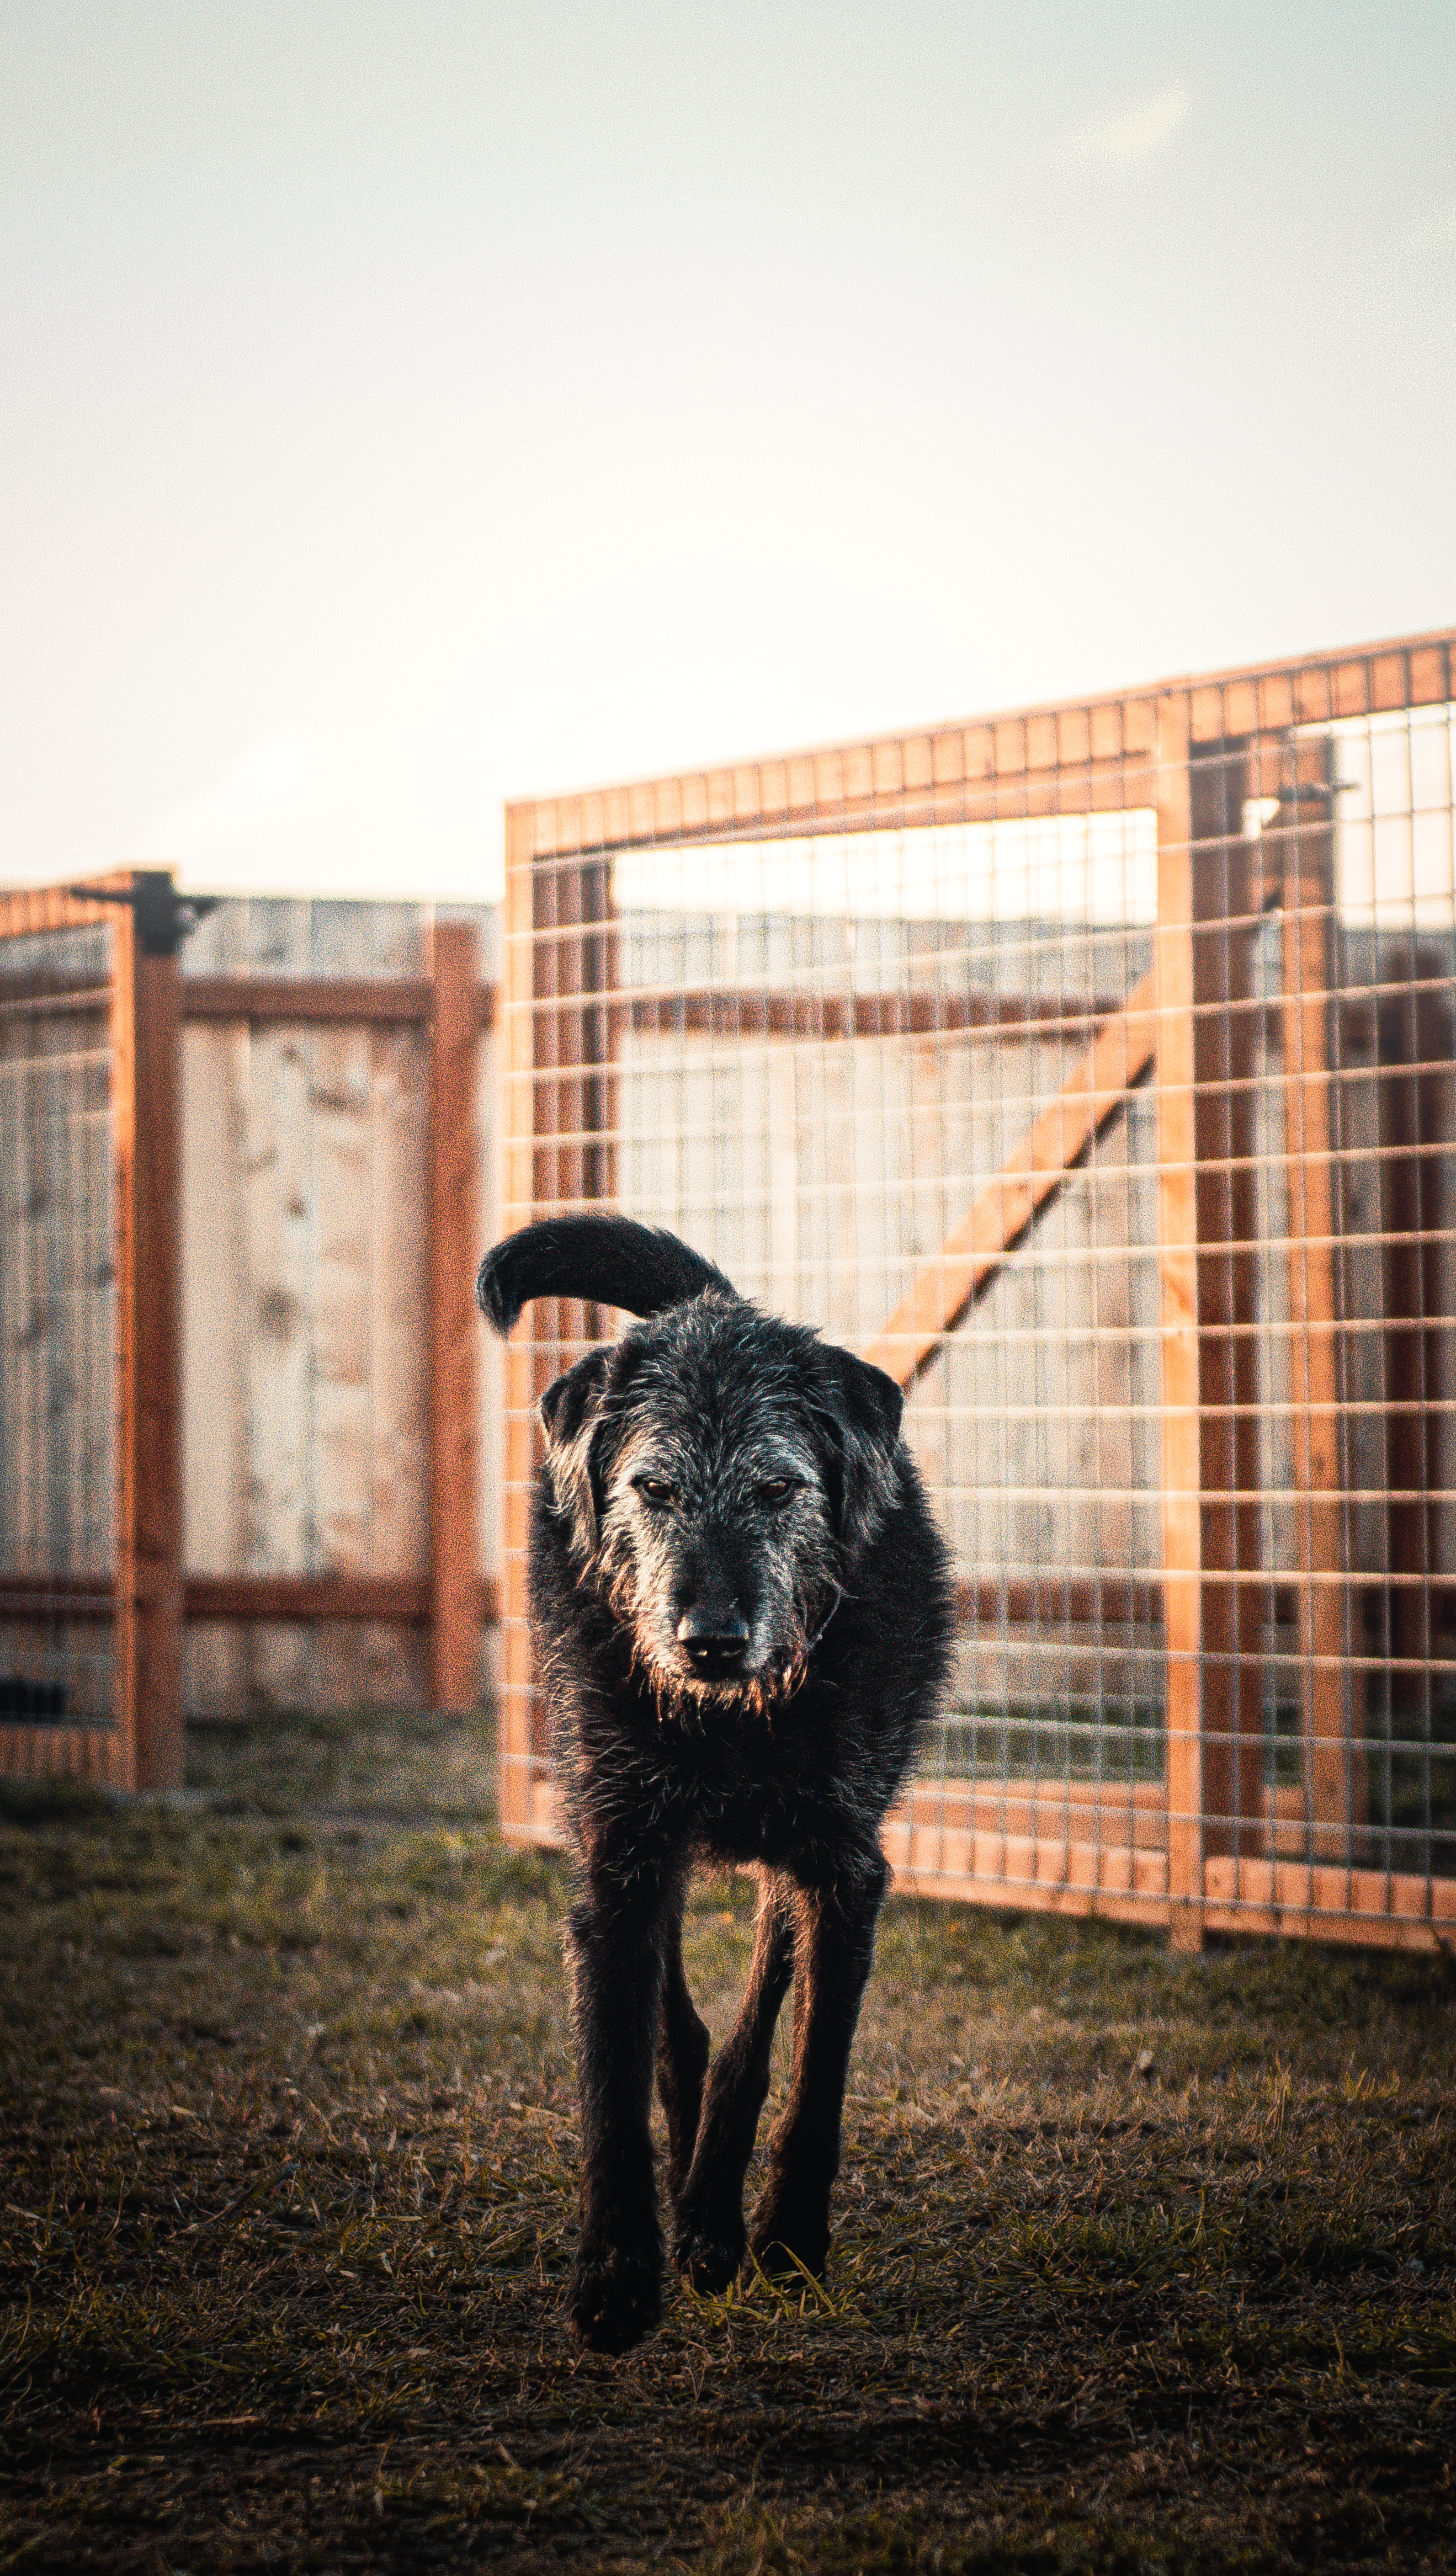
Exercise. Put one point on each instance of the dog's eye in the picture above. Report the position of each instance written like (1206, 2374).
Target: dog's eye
(653, 1490)
(778, 1489)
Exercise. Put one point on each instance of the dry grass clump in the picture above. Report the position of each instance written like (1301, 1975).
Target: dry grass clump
(1142, 2262)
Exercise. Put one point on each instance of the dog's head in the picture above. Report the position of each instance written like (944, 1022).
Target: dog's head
(719, 1474)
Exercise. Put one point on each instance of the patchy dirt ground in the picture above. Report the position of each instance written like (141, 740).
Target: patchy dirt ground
(1142, 2263)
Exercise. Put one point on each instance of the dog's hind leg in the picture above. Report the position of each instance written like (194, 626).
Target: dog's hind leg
(834, 1953)
(682, 2060)
(711, 2239)
(616, 1943)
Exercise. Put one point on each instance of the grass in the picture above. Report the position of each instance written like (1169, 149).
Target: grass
(1143, 2262)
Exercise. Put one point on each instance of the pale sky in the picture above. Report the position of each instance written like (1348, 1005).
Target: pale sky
(411, 403)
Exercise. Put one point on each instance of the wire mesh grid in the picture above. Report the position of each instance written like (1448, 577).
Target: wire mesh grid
(1092, 1071)
(58, 1328)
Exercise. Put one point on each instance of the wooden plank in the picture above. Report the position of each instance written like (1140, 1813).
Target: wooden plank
(26, 1190)
(1350, 686)
(342, 1446)
(42, 997)
(454, 1320)
(1042, 1855)
(1368, 1906)
(57, 1465)
(218, 1317)
(1126, 1817)
(1060, 1601)
(975, 1249)
(27, 910)
(746, 1011)
(1226, 1205)
(1025, 1875)
(833, 787)
(82, 1599)
(400, 1254)
(156, 1491)
(1027, 1895)
(1100, 786)
(1178, 1274)
(278, 1220)
(41, 1752)
(309, 1598)
(374, 1599)
(1429, 675)
(324, 1001)
(58, 1380)
(127, 1399)
(1334, 1755)
(1389, 683)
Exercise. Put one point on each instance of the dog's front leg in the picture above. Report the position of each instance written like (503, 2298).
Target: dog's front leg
(682, 2058)
(710, 2233)
(834, 1952)
(615, 1939)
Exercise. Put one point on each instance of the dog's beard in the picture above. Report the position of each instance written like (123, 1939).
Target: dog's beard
(680, 1692)
(794, 1584)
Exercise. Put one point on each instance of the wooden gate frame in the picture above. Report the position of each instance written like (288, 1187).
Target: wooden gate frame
(137, 1750)
(149, 1596)
(1193, 752)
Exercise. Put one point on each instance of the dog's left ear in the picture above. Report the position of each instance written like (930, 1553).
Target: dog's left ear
(570, 1413)
(863, 1433)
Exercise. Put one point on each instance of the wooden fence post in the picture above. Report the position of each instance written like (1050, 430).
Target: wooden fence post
(455, 1250)
(1335, 1784)
(1213, 1578)
(1178, 1271)
(145, 1026)
(1235, 1582)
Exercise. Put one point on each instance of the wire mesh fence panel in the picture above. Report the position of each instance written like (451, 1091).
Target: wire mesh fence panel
(815, 1097)
(1093, 1071)
(59, 1700)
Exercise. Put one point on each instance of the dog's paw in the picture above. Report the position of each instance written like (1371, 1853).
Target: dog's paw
(709, 2258)
(616, 2300)
(789, 2230)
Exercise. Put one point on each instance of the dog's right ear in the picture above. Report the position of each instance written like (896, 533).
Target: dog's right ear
(570, 1413)
(860, 1430)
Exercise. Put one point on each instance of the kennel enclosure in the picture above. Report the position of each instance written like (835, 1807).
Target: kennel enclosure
(1091, 1069)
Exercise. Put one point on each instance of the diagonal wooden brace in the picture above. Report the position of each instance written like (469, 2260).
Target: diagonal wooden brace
(1123, 1049)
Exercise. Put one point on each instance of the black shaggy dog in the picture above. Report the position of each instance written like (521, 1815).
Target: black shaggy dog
(742, 1615)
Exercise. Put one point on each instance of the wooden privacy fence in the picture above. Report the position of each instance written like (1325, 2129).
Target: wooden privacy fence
(1092, 1070)
(240, 1212)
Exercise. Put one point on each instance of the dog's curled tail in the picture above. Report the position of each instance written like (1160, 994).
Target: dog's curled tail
(605, 1258)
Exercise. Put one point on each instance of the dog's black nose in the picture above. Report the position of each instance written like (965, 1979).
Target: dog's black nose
(716, 1639)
